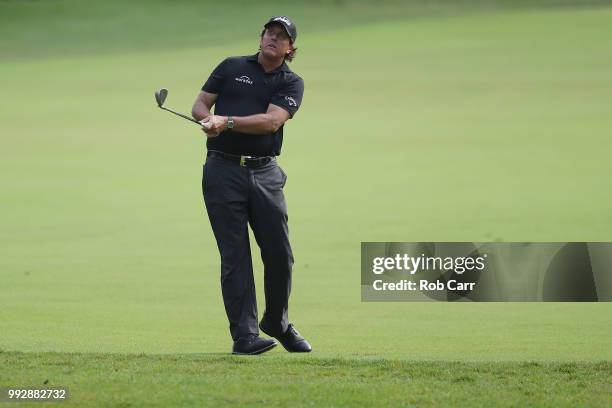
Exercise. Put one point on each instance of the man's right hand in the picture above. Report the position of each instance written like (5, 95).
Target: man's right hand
(207, 127)
(213, 125)
(201, 109)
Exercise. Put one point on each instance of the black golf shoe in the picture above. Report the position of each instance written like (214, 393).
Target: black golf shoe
(291, 340)
(252, 344)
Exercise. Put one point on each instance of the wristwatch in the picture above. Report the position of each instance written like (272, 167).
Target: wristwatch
(230, 122)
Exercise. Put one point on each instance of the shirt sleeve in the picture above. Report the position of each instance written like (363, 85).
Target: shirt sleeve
(289, 96)
(217, 78)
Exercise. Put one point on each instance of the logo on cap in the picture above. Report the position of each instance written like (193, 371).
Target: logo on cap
(283, 19)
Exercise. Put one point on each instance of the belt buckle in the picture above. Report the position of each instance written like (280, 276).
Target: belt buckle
(243, 160)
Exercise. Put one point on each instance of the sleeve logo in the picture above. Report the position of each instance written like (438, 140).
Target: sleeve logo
(291, 101)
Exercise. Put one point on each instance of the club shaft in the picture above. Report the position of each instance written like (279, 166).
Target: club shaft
(182, 116)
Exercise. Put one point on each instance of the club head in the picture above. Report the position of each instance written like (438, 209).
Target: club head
(160, 96)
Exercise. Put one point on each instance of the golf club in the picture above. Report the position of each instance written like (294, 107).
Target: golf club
(160, 97)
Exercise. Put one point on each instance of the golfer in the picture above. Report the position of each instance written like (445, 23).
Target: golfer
(243, 184)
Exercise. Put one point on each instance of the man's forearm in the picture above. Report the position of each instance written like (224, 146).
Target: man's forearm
(200, 111)
(258, 124)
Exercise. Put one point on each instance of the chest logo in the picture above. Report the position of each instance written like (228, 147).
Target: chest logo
(291, 101)
(244, 79)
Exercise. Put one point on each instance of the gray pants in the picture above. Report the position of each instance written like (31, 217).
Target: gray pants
(236, 196)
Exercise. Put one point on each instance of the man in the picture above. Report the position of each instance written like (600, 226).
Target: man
(242, 183)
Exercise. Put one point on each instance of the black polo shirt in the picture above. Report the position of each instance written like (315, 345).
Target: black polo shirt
(243, 89)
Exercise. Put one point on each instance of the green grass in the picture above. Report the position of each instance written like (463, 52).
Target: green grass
(35, 29)
(211, 380)
(476, 121)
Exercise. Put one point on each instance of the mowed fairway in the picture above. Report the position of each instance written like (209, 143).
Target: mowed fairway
(468, 123)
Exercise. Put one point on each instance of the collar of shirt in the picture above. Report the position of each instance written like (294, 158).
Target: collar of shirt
(283, 67)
